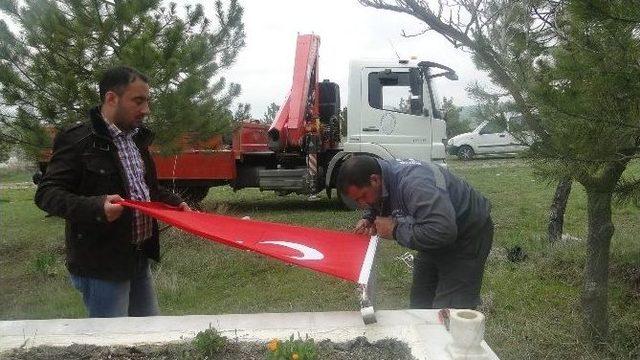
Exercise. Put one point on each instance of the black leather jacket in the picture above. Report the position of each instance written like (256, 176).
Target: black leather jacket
(84, 168)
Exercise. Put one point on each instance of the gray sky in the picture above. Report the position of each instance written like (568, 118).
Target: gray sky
(347, 30)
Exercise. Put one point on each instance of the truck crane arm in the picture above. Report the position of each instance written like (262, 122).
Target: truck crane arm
(288, 128)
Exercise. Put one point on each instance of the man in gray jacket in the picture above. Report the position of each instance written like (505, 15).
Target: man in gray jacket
(426, 208)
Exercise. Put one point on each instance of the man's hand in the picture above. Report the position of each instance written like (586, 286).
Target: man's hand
(384, 225)
(112, 211)
(184, 207)
(365, 227)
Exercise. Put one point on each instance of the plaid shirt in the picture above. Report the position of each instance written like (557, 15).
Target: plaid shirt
(134, 170)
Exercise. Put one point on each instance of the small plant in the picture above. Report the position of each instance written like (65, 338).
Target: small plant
(209, 342)
(292, 349)
(44, 264)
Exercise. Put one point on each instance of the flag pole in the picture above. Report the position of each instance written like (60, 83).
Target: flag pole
(366, 283)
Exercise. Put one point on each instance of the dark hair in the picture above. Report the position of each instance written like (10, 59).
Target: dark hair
(117, 78)
(357, 171)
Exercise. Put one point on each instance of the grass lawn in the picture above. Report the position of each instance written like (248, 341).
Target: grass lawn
(14, 176)
(532, 307)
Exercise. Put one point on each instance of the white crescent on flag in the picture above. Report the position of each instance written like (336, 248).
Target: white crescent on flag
(308, 253)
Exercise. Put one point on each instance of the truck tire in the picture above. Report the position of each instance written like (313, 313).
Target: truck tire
(465, 152)
(192, 195)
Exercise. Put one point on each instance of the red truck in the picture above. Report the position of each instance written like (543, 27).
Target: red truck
(392, 113)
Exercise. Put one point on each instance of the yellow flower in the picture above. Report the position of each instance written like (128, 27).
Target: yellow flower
(273, 345)
(295, 356)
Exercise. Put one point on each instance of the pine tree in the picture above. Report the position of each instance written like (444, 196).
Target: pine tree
(270, 113)
(49, 67)
(5, 149)
(242, 112)
(581, 99)
(451, 114)
(588, 95)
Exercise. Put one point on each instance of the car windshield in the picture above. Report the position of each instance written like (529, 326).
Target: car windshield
(479, 127)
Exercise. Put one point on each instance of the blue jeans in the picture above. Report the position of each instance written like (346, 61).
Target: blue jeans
(134, 297)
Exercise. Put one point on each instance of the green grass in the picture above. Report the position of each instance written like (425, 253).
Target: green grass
(532, 307)
(13, 176)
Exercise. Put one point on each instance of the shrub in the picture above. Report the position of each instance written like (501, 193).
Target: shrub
(44, 264)
(292, 349)
(209, 342)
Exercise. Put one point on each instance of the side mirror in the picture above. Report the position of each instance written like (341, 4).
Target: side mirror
(387, 77)
(448, 72)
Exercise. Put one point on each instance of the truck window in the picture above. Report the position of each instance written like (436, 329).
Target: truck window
(391, 91)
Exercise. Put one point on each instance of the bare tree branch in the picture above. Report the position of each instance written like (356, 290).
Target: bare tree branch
(422, 32)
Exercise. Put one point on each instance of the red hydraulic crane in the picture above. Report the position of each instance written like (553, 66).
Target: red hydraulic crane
(301, 106)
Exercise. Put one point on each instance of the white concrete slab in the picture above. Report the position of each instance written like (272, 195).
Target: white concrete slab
(420, 329)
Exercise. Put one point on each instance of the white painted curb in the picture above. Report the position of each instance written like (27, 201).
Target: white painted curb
(420, 329)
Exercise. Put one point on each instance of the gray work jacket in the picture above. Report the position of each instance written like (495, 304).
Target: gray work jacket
(434, 210)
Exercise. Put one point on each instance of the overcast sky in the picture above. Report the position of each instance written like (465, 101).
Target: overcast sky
(347, 30)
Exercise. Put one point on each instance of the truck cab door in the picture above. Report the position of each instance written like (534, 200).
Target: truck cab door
(392, 116)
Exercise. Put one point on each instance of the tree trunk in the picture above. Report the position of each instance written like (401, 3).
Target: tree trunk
(596, 272)
(558, 207)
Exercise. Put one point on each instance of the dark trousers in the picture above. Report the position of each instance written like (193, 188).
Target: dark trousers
(451, 280)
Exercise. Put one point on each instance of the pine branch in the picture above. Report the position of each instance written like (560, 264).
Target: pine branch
(628, 189)
(559, 109)
(16, 128)
(14, 140)
(24, 73)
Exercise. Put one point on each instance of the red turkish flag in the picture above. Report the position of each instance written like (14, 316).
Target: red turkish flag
(344, 255)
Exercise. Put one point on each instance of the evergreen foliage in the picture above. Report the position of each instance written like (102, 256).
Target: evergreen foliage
(270, 113)
(451, 114)
(588, 94)
(571, 69)
(242, 112)
(50, 65)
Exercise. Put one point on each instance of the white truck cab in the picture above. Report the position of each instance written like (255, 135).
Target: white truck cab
(393, 111)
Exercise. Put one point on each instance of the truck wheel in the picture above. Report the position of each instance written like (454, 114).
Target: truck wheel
(465, 152)
(192, 194)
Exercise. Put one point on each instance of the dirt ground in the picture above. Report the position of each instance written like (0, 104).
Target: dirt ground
(358, 349)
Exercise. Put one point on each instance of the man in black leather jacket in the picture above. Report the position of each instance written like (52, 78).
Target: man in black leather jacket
(94, 165)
